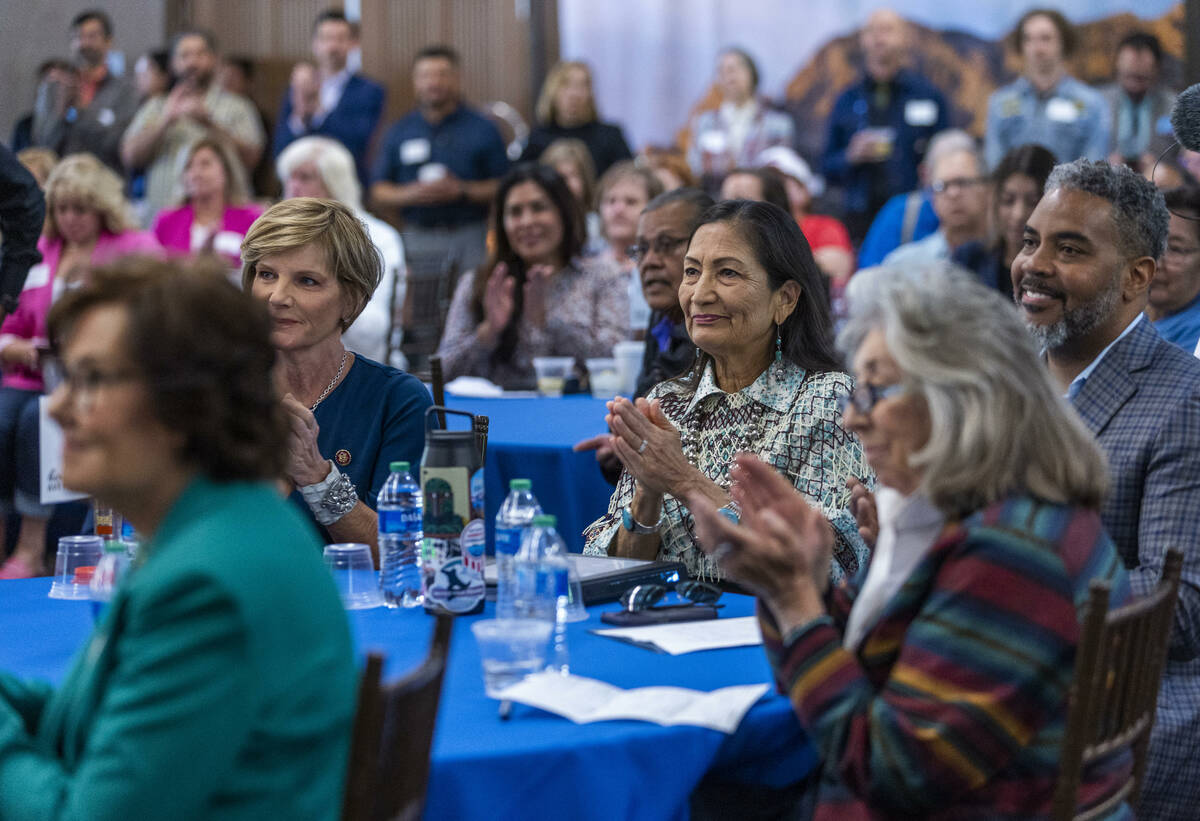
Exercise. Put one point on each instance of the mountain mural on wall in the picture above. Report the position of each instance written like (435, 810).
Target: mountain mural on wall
(967, 68)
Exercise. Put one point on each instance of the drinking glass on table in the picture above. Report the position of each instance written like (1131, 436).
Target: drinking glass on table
(510, 650)
(354, 574)
(552, 373)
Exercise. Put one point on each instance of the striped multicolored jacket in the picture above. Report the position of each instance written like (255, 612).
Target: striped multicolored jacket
(954, 705)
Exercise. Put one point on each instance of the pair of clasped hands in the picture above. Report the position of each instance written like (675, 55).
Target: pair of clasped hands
(780, 537)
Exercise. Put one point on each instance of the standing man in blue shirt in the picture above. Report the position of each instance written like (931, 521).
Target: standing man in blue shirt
(1045, 105)
(880, 126)
(440, 165)
(332, 101)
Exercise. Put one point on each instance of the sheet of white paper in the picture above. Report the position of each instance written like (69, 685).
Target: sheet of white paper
(50, 447)
(690, 636)
(584, 700)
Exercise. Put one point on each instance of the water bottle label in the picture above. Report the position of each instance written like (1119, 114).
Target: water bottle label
(562, 582)
(508, 540)
(404, 520)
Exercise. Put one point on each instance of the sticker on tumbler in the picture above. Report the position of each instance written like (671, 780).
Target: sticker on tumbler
(456, 586)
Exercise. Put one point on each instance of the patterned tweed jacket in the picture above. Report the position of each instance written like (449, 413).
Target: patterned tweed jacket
(1143, 404)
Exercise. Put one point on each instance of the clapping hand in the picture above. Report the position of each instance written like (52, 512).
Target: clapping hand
(305, 465)
(498, 303)
(862, 507)
(537, 286)
(648, 445)
(782, 547)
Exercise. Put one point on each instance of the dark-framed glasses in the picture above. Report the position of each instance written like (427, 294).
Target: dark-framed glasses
(865, 397)
(83, 382)
(662, 245)
(647, 596)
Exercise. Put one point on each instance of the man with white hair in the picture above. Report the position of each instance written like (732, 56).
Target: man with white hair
(1089, 255)
(880, 126)
(958, 185)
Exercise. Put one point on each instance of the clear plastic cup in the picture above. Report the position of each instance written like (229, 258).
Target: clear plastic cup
(73, 566)
(510, 650)
(604, 377)
(552, 373)
(629, 364)
(354, 574)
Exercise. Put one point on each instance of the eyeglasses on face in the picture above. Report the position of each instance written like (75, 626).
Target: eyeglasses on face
(865, 397)
(662, 245)
(956, 184)
(85, 381)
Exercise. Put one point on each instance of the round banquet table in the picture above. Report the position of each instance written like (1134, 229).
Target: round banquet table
(535, 765)
(531, 438)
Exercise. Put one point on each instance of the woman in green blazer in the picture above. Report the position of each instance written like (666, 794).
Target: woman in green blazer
(219, 683)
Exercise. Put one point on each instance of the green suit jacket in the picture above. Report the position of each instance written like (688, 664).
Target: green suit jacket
(220, 683)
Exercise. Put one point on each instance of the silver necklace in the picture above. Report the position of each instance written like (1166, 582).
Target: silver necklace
(332, 382)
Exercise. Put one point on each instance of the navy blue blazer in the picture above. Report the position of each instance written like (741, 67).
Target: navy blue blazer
(1143, 405)
(352, 122)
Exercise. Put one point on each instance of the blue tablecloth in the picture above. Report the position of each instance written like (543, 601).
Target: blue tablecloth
(535, 765)
(531, 438)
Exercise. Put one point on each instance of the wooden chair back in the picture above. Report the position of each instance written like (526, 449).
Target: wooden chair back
(1118, 667)
(393, 735)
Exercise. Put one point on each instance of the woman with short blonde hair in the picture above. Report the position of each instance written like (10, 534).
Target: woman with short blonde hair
(321, 167)
(314, 265)
(566, 108)
(84, 180)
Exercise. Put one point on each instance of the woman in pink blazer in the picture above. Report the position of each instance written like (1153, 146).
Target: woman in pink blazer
(214, 217)
(88, 223)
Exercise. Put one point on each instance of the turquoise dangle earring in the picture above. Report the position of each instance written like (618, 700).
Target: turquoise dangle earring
(777, 367)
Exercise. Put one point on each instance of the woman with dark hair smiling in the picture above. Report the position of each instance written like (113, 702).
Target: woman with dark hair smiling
(766, 381)
(226, 656)
(535, 296)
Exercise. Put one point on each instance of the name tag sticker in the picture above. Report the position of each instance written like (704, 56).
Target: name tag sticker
(920, 112)
(106, 117)
(712, 142)
(37, 277)
(1061, 110)
(414, 152)
(228, 242)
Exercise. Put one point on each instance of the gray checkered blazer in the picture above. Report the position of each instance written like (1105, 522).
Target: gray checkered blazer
(1143, 404)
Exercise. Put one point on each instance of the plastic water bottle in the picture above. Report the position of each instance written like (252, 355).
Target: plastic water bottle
(543, 584)
(130, 539)
(399, 506)
(515, 516)
(107, 575)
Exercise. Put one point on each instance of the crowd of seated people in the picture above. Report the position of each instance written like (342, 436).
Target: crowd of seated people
(1014, 384)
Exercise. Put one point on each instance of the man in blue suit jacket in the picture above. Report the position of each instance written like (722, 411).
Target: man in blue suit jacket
(328, 98)
(1081, 281)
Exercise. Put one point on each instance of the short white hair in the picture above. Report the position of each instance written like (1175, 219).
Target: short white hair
(334, 163)
(952, 141)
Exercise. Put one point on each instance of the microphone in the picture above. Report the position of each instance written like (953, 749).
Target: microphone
(1185, 119)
